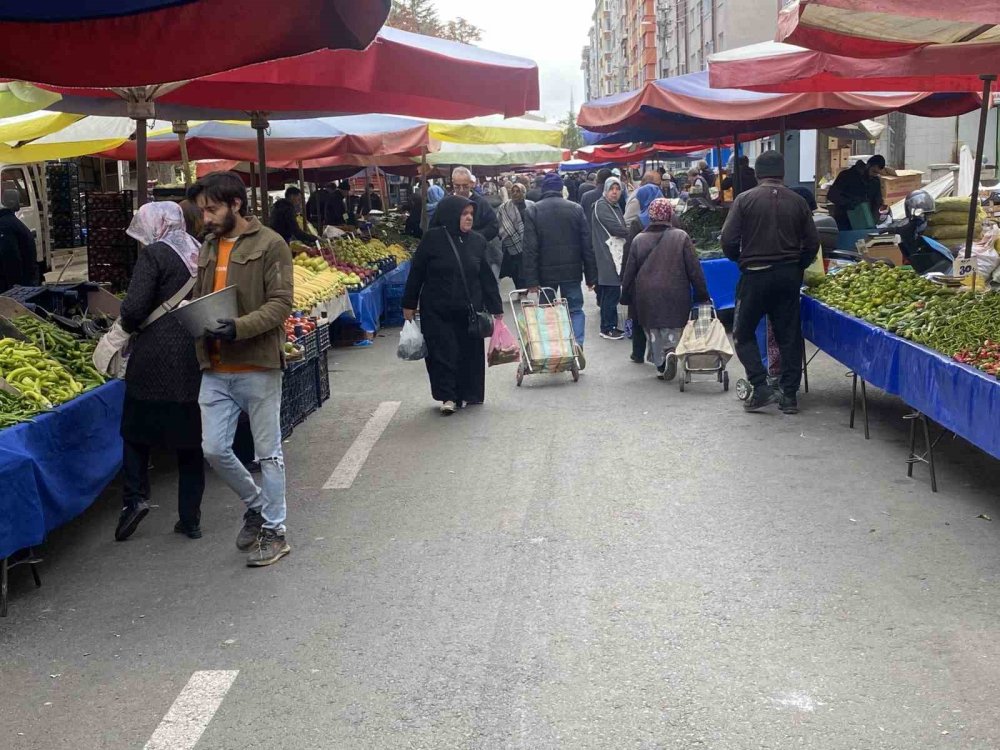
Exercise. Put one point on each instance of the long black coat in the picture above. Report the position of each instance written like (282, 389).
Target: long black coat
(436, 283)
(557, 246)
(19, 263)
(662, 271)
(163, 365)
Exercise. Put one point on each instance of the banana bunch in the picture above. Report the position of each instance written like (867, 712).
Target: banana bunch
(312, 288)
(398, 252)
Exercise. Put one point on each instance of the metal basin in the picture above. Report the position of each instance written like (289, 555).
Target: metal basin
(206, 311)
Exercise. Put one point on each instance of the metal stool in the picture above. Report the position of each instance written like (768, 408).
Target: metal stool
(5, 565)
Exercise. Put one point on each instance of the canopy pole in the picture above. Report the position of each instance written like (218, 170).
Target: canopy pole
(978, 169)
(181, 129)
(141, 178)
(253, 193)
(368, 192)
(302, 186)
(423, 189)
(718, 166)
(737, 173)
(258, 121)
(783, 135)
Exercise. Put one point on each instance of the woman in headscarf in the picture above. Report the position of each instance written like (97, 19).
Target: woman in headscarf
(445, 292)
(607, 223)
(662, 271)
(435, 193)
(511, 220)
(644, 196)
(163, 378)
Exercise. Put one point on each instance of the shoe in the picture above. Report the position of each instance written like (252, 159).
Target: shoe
(660, 371)
(637, 360)
(252, 523)
(191, 532)
(788, 404)
(613, 335)
(581, 360)
(268, 548)
(129, 520)
(762, 397)
(448, 408)
(670, 366)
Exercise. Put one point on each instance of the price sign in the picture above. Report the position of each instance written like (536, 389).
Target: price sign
(964, 267)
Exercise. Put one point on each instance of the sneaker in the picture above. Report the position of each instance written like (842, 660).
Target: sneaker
(191, 532)
(581, 360)
(129, 520)
(788, 404)
(762, 397)
(268, 548)
(448, 408)
(660, 371)
(613, 335)
(670, 366)
(252, 523)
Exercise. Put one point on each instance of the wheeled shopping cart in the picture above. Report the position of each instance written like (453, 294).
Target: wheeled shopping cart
(545, 334)
(704, 348)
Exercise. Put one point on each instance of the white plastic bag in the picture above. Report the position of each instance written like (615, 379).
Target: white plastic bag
(984, 251)
(412, 346)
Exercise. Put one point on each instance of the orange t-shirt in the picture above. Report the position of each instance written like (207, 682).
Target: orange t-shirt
(219, 283)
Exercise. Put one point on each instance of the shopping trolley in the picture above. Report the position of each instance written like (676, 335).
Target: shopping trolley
(545, 334)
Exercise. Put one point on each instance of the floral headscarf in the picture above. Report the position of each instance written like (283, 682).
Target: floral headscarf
(660, 211)
(163, 221)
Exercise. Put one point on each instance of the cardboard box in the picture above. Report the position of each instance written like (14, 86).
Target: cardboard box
(845, 157)
(896, 187)
(885, 251)
(833, 143)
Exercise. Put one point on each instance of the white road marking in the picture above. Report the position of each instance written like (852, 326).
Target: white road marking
(347, 470)
(194, 708)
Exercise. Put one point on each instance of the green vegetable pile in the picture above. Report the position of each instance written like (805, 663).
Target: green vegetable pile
(901, 301)
(74, 354)
(703, 225)
(38, 378)
(15, 409)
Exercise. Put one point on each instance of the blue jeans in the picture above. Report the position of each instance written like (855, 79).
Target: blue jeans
(572, 292)
(608, 298)
(223, 396)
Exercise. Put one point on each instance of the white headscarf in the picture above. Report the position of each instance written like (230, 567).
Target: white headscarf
(164, 222)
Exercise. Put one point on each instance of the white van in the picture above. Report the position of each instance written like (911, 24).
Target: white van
(29, 180)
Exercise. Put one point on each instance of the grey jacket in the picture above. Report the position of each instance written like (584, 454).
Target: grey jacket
(606, 222)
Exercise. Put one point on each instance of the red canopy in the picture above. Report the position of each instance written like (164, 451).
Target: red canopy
(786, 68)
(400, 73)
(882, 28)
(635, 152)
(143, 42)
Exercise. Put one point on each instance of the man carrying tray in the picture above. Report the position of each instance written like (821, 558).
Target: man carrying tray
(242, 359)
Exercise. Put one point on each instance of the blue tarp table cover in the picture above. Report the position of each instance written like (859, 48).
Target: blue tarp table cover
(399, 274)
(721, 274)
(52, 469)
(369, 305)
(960, 398)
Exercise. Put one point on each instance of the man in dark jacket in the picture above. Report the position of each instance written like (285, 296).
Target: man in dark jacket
(587, 185)
(486, 218)
(557, 250)
(855, 186)
(18, 259)
(588, 199)
(771, 234)
(572, 188)
(748, 178)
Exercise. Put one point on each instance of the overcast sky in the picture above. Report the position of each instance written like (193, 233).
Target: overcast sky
(550, 32)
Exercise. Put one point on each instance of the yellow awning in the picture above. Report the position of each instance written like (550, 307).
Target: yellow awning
(19, 98)
(495, 129)
(38, 125)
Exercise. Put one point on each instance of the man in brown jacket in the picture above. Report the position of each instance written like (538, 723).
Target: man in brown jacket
(242, 359)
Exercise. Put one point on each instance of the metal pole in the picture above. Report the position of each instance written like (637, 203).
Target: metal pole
(141, 188)
(302, 186)
(718, 167)
(253, 193)
(258, 121)
(737, 175)
(424, 220)
(181, 129)
(782, 135)
(978, 169)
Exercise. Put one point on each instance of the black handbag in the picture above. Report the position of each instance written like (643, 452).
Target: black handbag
(480, 323)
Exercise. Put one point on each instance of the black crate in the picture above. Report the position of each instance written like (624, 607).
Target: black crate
(323, 337)
(322, 379)
(299, 396)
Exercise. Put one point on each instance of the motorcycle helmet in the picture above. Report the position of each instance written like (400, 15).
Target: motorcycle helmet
(919, 203)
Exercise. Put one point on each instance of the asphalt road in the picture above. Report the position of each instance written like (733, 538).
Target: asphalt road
(608, 564)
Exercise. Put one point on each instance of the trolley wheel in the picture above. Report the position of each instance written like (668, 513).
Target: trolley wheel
(683, 380)
(520, 375)
(725, 381)
(743, 389)
(575, 372)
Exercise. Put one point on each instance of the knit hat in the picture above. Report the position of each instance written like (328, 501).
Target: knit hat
(770, 164)
(660, 211)
(552, 183)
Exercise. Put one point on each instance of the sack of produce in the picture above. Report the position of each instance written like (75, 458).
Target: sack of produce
(412, 346)
(984, 251)
(503, 346)
(951, 232)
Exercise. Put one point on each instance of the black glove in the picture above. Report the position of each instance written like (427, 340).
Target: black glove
(225, 330)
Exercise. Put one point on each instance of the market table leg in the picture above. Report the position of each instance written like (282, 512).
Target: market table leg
(854, 402)
(927, 457)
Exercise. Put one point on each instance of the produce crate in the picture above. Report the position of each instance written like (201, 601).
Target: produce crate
(65, 214)
(323, 337)
(299, 397)
(393, 315)
(322, 379)
(111, 253)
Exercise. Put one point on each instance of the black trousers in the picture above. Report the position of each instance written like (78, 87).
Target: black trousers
(773, 293)
(638, 341)
(456, 361)
(190, 481)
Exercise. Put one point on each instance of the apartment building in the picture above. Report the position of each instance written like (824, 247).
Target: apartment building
(635, 41)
